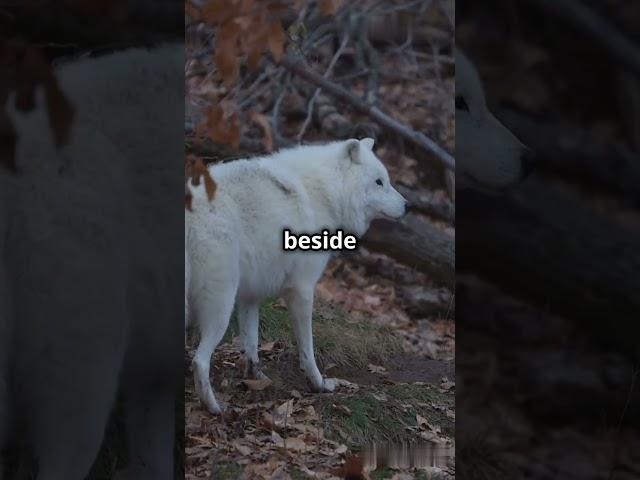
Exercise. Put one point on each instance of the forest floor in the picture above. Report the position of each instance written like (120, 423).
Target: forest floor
(397, 388)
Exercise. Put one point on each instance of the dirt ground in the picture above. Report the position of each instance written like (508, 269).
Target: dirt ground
(391, 394)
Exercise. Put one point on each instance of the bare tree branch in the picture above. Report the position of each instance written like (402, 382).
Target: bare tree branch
(298, 67)
(327, 73)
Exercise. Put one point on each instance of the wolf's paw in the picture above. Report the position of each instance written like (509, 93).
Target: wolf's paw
(259, 375)
(252, 370)
(215, 407)
(329, 384)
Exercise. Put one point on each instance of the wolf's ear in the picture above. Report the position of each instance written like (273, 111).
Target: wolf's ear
(352, 148)
(367, 143)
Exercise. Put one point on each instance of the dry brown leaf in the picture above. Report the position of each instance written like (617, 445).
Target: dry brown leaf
(353, 468)
(346, 383)
(420, 420)
(378, 369)
(223, 124)
(286, 409)
(226, 53)
(254, 44)
(201, 171)
(342, 408)
(341, 449)
(257, 385)
(267, 346)
(243, 449)
(329, 7)
(295, 444)
(263, 122)
(218, 11)
(276, 40)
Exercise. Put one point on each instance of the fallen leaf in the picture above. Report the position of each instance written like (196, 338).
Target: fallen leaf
(329, 7)
(420, 420)
(378, 369)
(263, 122)
(276, 40)
(243, 449)
(342, 408)
(257, 385)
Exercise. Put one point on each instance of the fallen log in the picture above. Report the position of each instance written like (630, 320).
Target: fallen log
(417, 244)
(440, 208)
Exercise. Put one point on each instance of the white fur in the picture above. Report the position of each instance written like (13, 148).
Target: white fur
(86, 289)
(488, 155)
(235, 243)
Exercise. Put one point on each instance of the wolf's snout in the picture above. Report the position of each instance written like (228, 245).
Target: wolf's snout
(528, 160)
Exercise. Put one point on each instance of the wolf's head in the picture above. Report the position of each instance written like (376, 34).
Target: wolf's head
(488, 155)
(368, 189)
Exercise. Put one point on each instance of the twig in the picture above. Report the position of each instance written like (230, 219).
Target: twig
(312, 101)
(585, 19)
(406, 6)
(371, 56)
(253, 93)
(350, 76)
(294, 64)
(275, 114)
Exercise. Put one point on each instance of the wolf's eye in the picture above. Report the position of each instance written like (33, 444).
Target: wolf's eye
(379, 182)
(461, 103)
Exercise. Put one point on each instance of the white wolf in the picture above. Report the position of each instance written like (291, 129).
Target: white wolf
(488, 156)
(235, 243)
(87, 292)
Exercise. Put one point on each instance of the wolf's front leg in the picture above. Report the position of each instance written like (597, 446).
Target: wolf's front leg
(300, 303)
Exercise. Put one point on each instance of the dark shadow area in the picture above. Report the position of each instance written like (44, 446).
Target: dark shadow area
(547, 273)
(91, 262)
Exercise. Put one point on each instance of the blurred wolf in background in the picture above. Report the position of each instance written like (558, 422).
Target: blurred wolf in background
(88, 292)
(488, 156)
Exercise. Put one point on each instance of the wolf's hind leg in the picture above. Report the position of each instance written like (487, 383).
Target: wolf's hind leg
(213, 310)
(249, 324)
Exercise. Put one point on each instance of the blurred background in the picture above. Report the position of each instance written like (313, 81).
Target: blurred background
(547, 275)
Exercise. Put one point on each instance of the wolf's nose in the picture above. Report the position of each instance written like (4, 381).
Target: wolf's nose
(528, 159)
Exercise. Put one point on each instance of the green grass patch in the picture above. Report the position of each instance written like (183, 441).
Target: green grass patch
(426, 394)
(226, 471)
(337, 339)
(383, 414)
